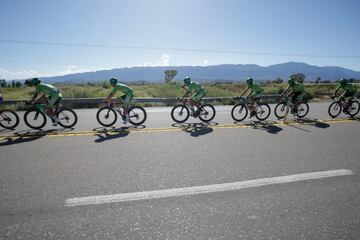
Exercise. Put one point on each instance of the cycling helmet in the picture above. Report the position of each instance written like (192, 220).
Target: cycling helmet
(250, 81)
(35, 81)
(343, 82)
(113, 81)
(187, 80)
(291, 81)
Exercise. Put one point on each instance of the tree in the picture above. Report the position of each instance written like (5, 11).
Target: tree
(318, 80)
(18, 84)
(13, 84)
(278, 81)
(3, 83)
(299, 77)
(169, 75)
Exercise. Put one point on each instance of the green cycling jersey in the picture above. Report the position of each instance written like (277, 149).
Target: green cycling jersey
(123, 88)
(297, 87)
(48, 89)
(349, 87)
(255, 88)
(194, 86)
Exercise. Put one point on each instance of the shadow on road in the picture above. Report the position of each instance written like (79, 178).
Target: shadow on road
(312, 122)
(268, 126)
(105, 134)
(31, 135)
(196, 129)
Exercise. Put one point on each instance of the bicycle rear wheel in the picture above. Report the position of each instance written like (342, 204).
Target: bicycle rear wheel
(207, 113)
(106, 116)
(67, 117)
(354, 108)
(137, 115)
(302, 110)
(35, 119)
(262, 111)
(335, 109)
(180, 113)
(239, 112)
(8, 119)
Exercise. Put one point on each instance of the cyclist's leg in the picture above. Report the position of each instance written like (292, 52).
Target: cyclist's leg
(53, 105)
(126, 100)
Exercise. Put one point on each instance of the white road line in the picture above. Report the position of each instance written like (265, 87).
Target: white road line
(175, 192)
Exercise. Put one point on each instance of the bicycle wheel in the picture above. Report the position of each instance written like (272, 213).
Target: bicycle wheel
(67, 117)
(137, 115)
(35, 119)
(207, 113)
(303, 110)
(8, 119)
(239, 112)
(335, 109)
(262, 111)
(280, 110)
(180, 113)
(106, 116)
(354, 108)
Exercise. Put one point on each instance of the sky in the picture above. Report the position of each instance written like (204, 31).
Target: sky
(52, 37)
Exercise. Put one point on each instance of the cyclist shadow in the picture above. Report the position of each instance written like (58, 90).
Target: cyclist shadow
(267, 126)
(312, 122)
(196, 129)
(29, 135)
(105, 134)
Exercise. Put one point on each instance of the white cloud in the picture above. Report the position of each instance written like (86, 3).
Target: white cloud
(6, 74)
(206, 61)
(73, 69)
(165, 60)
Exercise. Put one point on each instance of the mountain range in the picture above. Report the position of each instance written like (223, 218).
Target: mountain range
(225, 72)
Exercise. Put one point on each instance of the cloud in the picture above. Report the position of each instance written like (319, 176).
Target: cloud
(206, 61)
(73, 69)
(165, 60)
(6, 74)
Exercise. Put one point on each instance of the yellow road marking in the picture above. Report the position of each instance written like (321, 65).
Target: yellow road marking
(170, 129)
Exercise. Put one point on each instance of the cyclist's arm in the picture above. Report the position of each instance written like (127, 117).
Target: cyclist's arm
(186, 88)
(283, 92)
(336, 90)
(34, 97)
(109, 97)
(242, 94)
(287, 95)
(251, 92)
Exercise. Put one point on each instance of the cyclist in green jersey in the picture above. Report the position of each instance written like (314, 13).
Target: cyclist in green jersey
(297, 91)
(125, 98)
(197, 91)
(350, 91)
(49, 94)
(254, 94)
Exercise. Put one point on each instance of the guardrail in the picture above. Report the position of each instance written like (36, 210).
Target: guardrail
(140, 100)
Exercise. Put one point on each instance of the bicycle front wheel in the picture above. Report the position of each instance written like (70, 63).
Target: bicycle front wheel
(335, 109)
(180, 113)
(35, 119)
(239, 112)
(354, 108)
(8, 119)
(302, 110)
(262, 111)
(207, 113)
(137, 115)
(67, 117)
(280, 110)
(106, 116)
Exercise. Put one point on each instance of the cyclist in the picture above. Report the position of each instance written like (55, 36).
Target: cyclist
(254, 94)
(350, 91)
(297, 91)
(125, 98)
(49, 94)
(197, 91)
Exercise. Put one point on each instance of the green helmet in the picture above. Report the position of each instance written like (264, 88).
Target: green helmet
(35, 81)
(113, 81)
(250, 81)
(291, 81)
(187, 80)
(343, 82)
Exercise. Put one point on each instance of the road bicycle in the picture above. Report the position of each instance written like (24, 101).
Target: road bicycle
(286, 104)
(107, 114)
(240, 111)
(182, 111)
(8, 119)
(349, 107)
(35, 116)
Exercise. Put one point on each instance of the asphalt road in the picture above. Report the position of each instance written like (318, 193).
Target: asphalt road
(39, 173)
